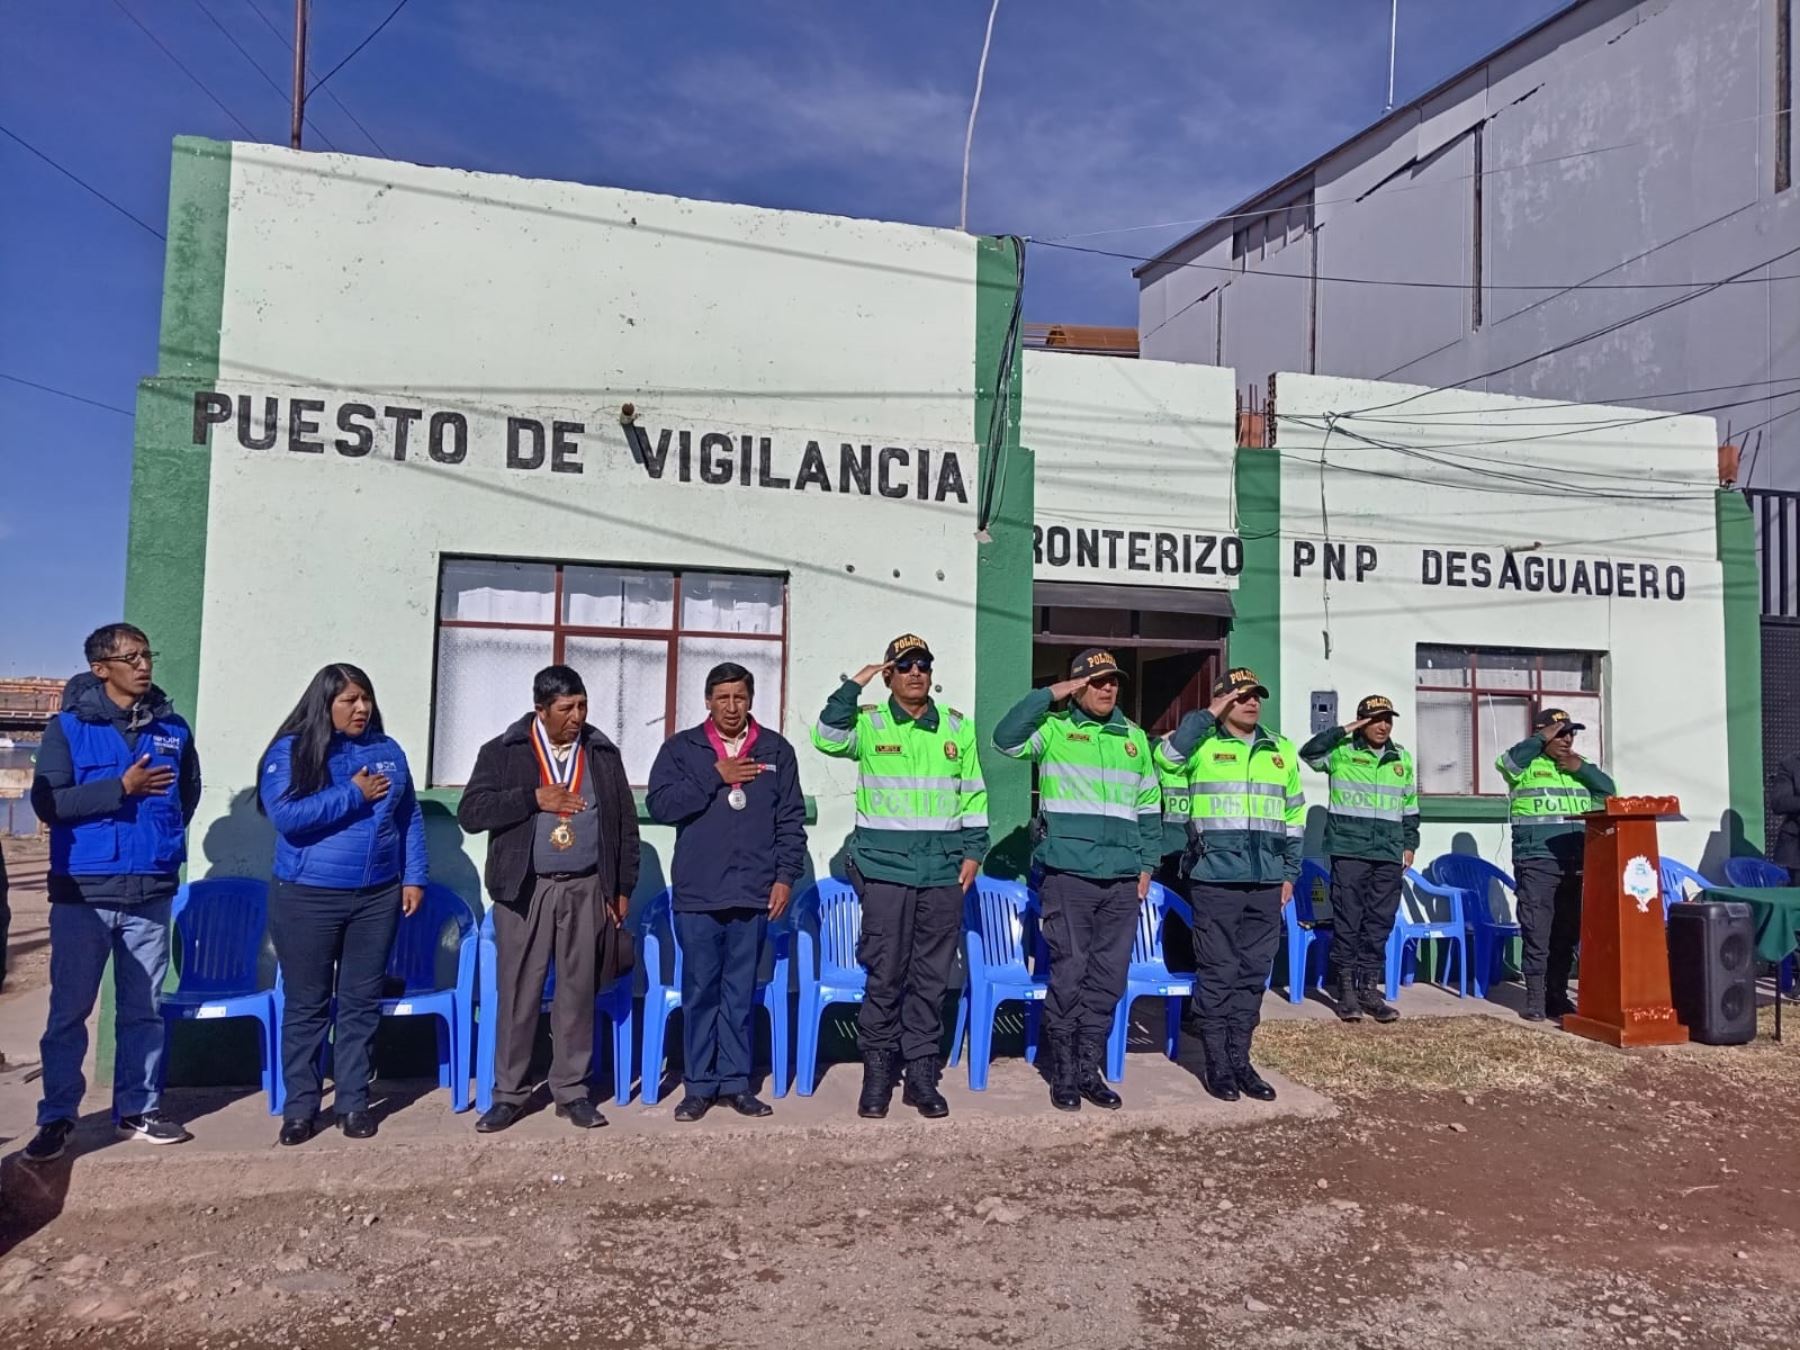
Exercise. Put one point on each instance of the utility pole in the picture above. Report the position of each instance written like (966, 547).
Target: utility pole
(1393, 46)
(299, 118)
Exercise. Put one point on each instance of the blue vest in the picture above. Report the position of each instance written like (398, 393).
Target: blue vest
(146, 835)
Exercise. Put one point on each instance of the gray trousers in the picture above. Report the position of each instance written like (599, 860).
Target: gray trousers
(561, 923)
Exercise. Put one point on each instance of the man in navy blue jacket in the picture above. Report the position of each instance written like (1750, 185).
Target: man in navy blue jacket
(117, 780)
(731, 789)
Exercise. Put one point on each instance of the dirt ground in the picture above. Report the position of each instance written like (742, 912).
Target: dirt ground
(1481, 1184)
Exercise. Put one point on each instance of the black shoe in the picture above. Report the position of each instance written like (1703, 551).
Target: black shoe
(1349, 1005)
(498, 1117)
(357, 1125)
(150, 1127)
(1219, 1083)
(922, 1088)
(48, 1143)
(1375, 1005)
(749, 1104)
(1065, 1083)
(1252, 1084)
(295, 1130)
(581, 1114)
(1558, 1004)
(877, 1085)
(1090, 1083)
(692, 1108)
(1533, 1010)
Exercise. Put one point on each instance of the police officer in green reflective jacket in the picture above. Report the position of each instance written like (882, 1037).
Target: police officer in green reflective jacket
(1101, 813)
(921, 834)
(1550, 787)
(1371, 831)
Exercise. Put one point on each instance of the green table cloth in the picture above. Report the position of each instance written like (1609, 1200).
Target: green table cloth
(1776, 910)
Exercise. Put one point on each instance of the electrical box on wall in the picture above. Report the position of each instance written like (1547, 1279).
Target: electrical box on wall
(1324, 709)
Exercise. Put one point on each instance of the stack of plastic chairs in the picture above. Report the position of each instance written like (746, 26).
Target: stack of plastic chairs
(611, 1005)
(1302, 937)
(1150, 977)
(662, 999)
(1428, 912)
(219, 925)
(829, 972)
(1000, 919)
(1489, 933)
(1759, 874)
(442, 924)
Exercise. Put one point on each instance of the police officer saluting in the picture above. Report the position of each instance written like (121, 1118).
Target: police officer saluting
(1551, 788)
(1248, 818)
(921, 835)
(1102, 819)
(1371, 831)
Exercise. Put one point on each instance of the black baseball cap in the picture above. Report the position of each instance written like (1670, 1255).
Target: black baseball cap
(1240, 680)
(1094, 662)
(1375, 706)
(907, 644)
(1556, 722)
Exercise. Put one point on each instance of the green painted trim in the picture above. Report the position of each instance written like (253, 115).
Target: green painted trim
(1256, 630)
(1003, 638)
(451, 798)
(1463, 810)
(1743, 662)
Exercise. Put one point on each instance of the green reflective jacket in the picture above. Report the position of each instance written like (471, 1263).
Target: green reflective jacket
(1247, 813)
(1546, 804)
(1174, 785)
(921, 802)
(1373, 809)
(1097, 794)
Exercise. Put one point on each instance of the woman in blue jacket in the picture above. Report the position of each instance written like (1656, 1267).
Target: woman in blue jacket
(349, 861)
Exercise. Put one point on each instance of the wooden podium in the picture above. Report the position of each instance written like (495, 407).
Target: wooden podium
(1624, 983)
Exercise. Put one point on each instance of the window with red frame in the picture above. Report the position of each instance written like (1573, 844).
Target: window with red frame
(1475, 703)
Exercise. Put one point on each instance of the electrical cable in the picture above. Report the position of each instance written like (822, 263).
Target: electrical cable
(975, 107)
(1617, 400)
(199, 83)
(1000, 411)
(320, 83)
(64, 393)
(132, 216)
(339, 103)
(268, 79)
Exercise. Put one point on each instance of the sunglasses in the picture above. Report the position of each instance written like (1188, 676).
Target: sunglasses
(1103, 682)
(907, 663)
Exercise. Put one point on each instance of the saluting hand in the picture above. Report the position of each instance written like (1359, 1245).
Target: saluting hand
(1067, 689)
(869, 672)
(1351, 728)
(1221, 704)
(373, 786)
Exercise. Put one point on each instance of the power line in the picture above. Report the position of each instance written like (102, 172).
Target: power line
(339, 103)
(132, 216)
(1612, 400)
(357, 48)
(268, 79)
(199, 83)
(64, 393)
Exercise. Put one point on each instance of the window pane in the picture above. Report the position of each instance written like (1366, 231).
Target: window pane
(731, 604)
(697, 656)
(1572, 670)
(1504, 723)
(1443, 751)
(1447, 667)
(628, 690)
(498, 592)
(1505, 670)
(611, 597)
(484, 682)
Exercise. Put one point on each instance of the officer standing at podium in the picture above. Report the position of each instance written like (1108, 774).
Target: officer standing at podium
(1551, 787)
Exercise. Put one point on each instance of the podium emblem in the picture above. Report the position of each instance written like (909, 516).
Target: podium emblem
(1640, 882)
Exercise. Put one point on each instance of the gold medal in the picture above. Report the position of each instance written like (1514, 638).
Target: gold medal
(562, 836)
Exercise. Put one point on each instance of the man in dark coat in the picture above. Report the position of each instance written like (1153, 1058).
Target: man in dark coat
(562, 860)
(1784, 801)
(731, 789)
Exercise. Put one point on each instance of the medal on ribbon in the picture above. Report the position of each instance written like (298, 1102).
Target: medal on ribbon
(737, 799)
(565, 775)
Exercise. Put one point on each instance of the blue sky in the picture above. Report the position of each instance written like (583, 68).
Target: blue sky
(1097, 114)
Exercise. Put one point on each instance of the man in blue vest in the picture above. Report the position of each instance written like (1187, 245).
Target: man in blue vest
(117, 781)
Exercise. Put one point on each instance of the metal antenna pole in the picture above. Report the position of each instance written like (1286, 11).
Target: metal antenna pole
(962, 221)
(1393, 44)
(299, 101)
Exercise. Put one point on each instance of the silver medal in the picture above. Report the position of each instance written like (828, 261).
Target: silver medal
(737, 798)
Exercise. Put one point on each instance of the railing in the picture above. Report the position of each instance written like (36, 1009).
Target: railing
(1777, 519)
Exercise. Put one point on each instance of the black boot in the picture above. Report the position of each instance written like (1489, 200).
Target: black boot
(1065, 1094)
(877, 1084)
(922, 1088)
(1089, 1049)
(1217, 1078)
(1249, 1081)
(1533, 1011)
(1368, 993)
(1557, 1003)
(1349, 1007)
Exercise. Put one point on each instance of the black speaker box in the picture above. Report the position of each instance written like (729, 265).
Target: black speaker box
(1712, 971)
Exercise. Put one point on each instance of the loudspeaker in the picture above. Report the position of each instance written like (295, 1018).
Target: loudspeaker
(1712, 971)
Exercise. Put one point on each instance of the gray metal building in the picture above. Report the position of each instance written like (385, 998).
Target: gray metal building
(1579, 189)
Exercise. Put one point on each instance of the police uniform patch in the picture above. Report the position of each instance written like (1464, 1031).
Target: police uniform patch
(1278, 762)
(1224, 757)
(889, 749)
(1131, 749)
(1399, 771)
(1079, 736)
(950, 751)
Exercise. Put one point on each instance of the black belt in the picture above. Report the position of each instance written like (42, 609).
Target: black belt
(568, 876)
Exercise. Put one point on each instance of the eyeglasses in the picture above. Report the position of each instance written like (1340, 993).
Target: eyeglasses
(905, 664)
(134, 659)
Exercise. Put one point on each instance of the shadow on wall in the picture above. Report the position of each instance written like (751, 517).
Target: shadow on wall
(1728, 841)
(1313, 846)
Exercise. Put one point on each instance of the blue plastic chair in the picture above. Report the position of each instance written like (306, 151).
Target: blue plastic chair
(1675, 878)
(661, 1000)
(1000, 929)
(1489, 935)
(1302, 939)
(219, 925)
(829, 972)
(442, 926)
(1428, 912)
(611, 1005)
(1149, 977)
(1757, 874)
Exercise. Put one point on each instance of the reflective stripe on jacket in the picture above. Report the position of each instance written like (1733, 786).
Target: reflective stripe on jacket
(1546, 805)
(1374, 796)
(1247, 812)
